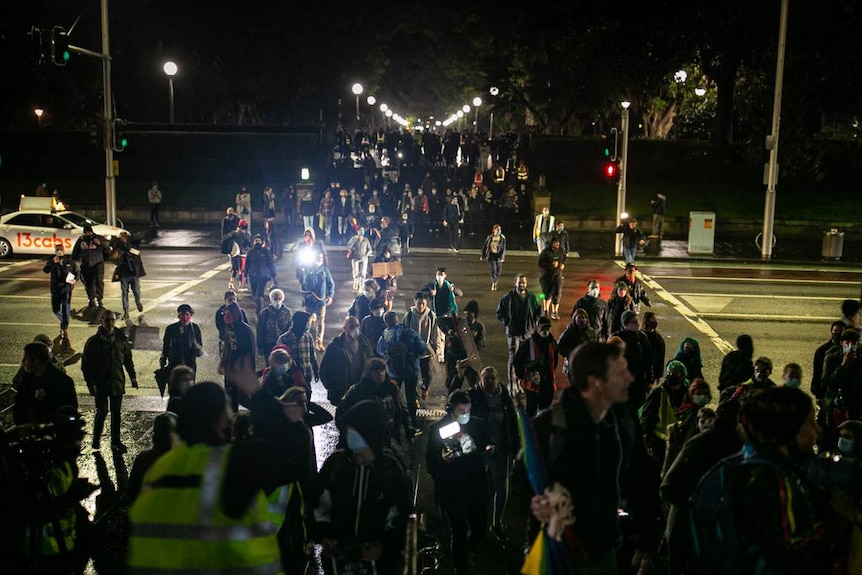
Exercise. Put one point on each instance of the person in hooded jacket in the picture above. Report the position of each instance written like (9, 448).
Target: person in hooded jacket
(619, 303)
(422, 319)
(274, 320)
(596, 308)
(649, 325)
(660, 409)
(404, 372)
(689, 354)
(282, 373)
(577, 332)
(129, 271)
(639, 357)
(372, 325)
(361, 305)
(688, 420)
(242, 242)
(238, 351)
(344, 361)
(738, 365)
(833, 345)
(362, 498)
(375, 385)
(759, 380)
(259, 268)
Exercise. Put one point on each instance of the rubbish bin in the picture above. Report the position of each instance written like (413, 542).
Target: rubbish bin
(833, 244)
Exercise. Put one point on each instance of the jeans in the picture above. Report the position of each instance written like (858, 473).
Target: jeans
(94, 281)
(409, 396)
(154, 213)
(135, 283)
(321, 321)
(657, 224)
(495, 266)
(308, 222)
(102, 403)
(498, 468)
(514, 342)
(629, 254)
(343, 225)
(360, 269)
(61, 305)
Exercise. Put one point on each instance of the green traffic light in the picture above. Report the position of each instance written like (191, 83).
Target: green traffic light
(607, 152)
(66, 55)
(123, 143)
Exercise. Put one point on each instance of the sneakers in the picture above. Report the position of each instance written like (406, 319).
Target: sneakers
(119, 448)
(125, 316)
(140, 306)
(319, 346)
(494, 286)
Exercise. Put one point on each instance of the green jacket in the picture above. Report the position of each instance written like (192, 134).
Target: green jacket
(103, 360)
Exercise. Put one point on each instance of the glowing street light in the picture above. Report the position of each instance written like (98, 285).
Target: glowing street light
(388, 113)
(39, 112)
(700, 92)
(170, 69)
(477, 101)
(357, 90)
(493, 91)
(383, 108)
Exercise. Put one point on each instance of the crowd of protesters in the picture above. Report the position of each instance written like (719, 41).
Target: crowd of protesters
(638, 465)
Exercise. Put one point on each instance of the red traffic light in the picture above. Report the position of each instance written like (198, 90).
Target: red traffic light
(611, 170)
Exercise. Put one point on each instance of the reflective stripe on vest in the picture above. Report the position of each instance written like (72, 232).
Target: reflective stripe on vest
(178, 525)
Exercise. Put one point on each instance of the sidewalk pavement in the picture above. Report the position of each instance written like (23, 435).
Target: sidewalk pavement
(587, 245)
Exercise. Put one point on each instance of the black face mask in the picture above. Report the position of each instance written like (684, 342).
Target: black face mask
(673, 380)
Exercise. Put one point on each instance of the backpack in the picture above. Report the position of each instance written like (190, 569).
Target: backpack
(227, 244)
(399, 360)
(717, 543)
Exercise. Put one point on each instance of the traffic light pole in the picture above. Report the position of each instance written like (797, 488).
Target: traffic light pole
(772, 140)
(621, 188)
(110, 184)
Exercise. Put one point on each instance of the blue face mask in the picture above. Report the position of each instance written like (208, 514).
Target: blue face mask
(845, 445)
(793, 382)
(279, 369)
(463, 419)
(355, 442)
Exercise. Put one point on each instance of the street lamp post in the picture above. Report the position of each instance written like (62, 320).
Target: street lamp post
(371, 101)
(357, 91)
(621, 189)
(170, 69)
(493, 91)
(388, 118)
(39, 112)
(477, 101)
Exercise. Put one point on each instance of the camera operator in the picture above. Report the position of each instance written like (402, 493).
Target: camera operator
(42, 389)
(455, 454)
(49, 530)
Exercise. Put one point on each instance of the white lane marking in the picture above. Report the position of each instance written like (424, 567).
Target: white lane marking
(743, 266)
(15, 265)
(762, 280)
(774, 317)
(52, 325)
(756, 296)
(153, 303)
(688, 314)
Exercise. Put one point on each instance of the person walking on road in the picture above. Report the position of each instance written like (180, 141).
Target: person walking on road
(42, 389)
(238, 352)
(64, 275)
(452, 220)
(519, 312)
(632, 238)
(260, 269)
(274, 320)
(596, 308)
(229, 222)
(129, 271)
(659, 206)
(494, 252)
(358, 252)
(241, 244)
(535, 365)
(422, 319)
(542, 227)
(182, 344)
(344, 361)
(243, 205)
(91, 251)
(551, 263)
(154, 196)
(318, 290)
(105, 356)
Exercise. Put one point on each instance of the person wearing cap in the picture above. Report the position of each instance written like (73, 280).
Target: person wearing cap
(274, 320)
(638, 354)
(242, 242)
(182, 343)
(129, 271)
(64, 273)
(243, 205)
(362, 525)
(105, 356)
(635, 285)
(596, 308)
(40, 388)
(91, 250)
(229, 222)
(372, 325)
(632, 238)
(358, 252)
(238, 351)
(259, 269)
(344, 361)
(535, 365)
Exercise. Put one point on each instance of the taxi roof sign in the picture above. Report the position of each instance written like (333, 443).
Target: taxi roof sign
(37, 203)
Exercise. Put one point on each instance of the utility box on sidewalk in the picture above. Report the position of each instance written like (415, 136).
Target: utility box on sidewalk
(833, 244)
(701, 232)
